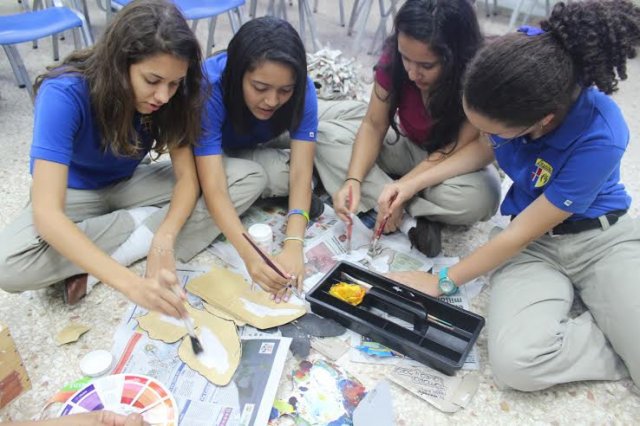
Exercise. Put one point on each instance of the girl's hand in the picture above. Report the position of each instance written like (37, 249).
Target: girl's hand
(160, 293)
(161, 256)
(394, 196)
(341, 200)
(394, 221)
(423, 282)
(262, 274)
(292, 258)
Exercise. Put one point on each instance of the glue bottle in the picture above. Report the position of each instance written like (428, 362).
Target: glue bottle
(262, 235)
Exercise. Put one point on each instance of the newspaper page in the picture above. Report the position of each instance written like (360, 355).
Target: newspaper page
(246, 400)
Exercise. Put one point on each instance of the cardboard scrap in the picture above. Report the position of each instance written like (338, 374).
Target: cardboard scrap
(447, 393)
(212, 363)
(219, 338)
(70, 333)
(230, 293)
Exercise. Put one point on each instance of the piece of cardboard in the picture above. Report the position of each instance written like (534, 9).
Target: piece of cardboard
(230, 293)
(207, 327)
(71, 333)
(14, 379)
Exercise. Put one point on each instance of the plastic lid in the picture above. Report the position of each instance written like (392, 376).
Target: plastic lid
(260, 231)
(96, 363)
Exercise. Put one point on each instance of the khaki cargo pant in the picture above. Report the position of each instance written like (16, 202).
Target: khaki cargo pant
(534, 343)
(462, 200)
(27, 262)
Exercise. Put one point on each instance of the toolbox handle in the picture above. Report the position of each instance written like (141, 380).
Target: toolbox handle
(417, 310)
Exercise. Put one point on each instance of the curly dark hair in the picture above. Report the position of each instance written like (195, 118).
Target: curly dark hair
(518, 79)
(141, 30)
(451, 30)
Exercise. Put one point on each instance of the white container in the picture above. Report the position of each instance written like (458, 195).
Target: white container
(262, 235)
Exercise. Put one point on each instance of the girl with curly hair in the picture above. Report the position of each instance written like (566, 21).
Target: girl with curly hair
(413, 121)
(541, 97)
(97, 204)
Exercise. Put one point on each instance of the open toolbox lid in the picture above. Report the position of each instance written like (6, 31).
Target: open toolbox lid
(420, 326)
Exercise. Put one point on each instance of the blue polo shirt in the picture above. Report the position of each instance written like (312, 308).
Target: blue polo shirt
(66, 132)
(218, 132)
(576, 166)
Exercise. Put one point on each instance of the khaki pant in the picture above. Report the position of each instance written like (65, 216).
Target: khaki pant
(462, 200)
(533, 342)
(27, 262)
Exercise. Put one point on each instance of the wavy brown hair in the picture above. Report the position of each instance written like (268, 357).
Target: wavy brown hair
(142, 29)
(518, 79)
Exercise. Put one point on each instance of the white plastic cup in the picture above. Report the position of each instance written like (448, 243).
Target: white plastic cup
(262, 235)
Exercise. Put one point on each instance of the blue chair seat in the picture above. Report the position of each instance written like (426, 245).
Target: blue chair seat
(197, 9)
(28, 26)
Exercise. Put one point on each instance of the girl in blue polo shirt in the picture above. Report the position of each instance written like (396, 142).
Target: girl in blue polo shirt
(96, 118)
(260, 126)
(541, 96)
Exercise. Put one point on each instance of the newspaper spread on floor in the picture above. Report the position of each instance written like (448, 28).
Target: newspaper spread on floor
(325, 245)
(247, 400)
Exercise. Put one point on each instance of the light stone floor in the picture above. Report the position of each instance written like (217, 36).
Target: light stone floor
(35, 317)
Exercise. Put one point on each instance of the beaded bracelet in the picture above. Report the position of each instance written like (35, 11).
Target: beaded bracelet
(301, 212)
(294, 239)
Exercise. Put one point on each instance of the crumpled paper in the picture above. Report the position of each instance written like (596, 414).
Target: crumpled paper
(336, 76)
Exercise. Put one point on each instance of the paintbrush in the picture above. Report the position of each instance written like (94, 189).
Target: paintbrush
(373, 246)
(196, 345)
(273, 266)
(366, 286)
(350, 224)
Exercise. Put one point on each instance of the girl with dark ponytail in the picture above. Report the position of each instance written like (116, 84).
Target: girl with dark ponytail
(541, 97)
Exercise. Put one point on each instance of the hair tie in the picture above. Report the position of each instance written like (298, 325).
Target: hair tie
(530, 31)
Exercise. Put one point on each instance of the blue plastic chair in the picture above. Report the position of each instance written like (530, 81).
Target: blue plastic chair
(194, 10)
(29, 26)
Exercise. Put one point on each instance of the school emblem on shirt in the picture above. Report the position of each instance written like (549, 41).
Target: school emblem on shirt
(542, 174)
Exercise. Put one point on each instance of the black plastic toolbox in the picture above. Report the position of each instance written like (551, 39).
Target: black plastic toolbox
(401, 318)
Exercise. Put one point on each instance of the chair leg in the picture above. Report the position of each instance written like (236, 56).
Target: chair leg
(341, 4)
(315, 6)
(355, 11)
(235, 20)
(14, 60)
(362, 23)
(56, 49)
(212, 29)
(514, 15)
(22, 76)
(252, 8)
(312, 24)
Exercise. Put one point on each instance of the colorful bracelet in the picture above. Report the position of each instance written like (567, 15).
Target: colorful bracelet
(352, 178)
(294, 239)
(301, 212)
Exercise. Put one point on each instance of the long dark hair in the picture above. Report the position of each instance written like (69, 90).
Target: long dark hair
(142, 29)
(518, 79)
(259, 40)
(450, 28)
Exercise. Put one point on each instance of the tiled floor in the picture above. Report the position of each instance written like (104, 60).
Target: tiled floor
(35, 317)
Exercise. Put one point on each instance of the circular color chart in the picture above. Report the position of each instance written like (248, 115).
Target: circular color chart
(126, 394)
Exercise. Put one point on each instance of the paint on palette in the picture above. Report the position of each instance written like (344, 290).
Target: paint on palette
(322, 394)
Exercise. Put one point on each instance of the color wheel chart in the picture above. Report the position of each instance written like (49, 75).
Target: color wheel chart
(126, 394)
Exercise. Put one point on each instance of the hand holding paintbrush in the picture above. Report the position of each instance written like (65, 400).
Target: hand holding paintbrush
(373, 246)
(273, 266)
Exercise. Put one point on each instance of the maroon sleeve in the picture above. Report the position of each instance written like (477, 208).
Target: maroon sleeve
(382, 73)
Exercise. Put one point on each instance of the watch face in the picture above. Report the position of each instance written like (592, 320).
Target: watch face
(447, 286)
